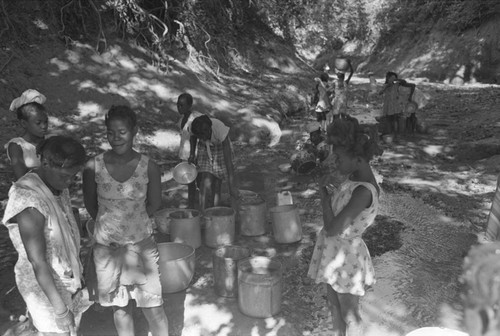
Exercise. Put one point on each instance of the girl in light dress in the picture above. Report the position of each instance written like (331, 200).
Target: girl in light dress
(341, 259)
(122, 190)
(21, 151)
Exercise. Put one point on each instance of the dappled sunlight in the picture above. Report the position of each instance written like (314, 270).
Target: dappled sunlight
(433, 150)
(206, 317)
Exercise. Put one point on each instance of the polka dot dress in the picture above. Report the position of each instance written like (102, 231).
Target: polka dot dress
(343, 261)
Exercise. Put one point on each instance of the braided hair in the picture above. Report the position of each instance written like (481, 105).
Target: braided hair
(357, 139)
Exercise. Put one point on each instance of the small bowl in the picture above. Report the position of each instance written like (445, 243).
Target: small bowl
(184, 173)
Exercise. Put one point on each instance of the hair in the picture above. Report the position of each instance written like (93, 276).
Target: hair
(187, 97)
(358, 140)
(389, 74)
(25, 110)
(62, 152)
(324, 77)
(481, 276)
(121, 112)
(198, 122)
(341, 75)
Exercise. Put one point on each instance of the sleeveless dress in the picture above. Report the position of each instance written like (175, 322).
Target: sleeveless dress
(31, 160)
(40, 308)
(125, 254)
(343, 261)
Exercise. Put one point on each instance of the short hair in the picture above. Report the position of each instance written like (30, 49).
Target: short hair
(25, 110)
(198, 122)
(324, 77)
(62, 152)
(121, 112)
(346, 132)
(187, 97)
(389, 74)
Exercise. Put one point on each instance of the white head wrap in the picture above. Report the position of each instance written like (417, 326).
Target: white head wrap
(28, 96)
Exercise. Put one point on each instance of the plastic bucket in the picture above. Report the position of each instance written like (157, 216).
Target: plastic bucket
(185, 227)
(259, 287)
(219, 226)
(252, 214)
(225, 261)
(286, 224)
(162, 219)
(176, 263)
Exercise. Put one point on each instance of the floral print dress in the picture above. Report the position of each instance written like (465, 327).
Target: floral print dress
(343, 261)
(125, 256)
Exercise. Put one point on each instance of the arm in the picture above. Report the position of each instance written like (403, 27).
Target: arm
(361, 199)
(89, 188)
(31, 225)
(409, 85)
(351, 72)
(192, 148)
(383, 89)
(153, 200)
(228, 160)
(16, 156)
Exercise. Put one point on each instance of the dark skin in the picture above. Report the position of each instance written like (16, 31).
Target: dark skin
(209, 184)
(391, 80)
(31, 228)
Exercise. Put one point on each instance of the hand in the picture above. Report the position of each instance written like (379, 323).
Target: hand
(67, 321)
(191, 159)
(317, 79)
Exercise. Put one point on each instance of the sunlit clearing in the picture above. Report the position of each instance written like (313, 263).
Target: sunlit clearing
(206, 317)
(90, 110)
(63, 66)
(40, 24)
(308, 193)
(433, 150)
(166, 140)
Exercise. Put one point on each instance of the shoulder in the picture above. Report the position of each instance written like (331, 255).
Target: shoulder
(15, 142)
(21, 199)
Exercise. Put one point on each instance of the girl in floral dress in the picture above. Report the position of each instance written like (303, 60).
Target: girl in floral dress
(341, 258)
(121, 190)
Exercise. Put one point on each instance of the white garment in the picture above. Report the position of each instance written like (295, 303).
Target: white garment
(185, 148)
(436, 331)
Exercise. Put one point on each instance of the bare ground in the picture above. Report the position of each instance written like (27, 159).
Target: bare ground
(451, 169)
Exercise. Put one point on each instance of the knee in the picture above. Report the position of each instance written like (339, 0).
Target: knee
(155, 314)
(121, 313)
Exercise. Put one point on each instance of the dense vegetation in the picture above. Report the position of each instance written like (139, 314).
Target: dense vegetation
(223, 33)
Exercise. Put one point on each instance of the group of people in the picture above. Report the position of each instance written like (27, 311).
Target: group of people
(122, 190)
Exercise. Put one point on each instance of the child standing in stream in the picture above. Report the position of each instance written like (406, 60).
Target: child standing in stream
(341, 259)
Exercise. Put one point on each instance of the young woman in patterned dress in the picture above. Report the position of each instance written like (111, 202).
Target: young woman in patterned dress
(341, 259)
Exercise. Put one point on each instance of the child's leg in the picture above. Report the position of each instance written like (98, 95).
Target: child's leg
(206, 184)
(217, 191)
(339, 326)
(349, 309)
(124, 320)
(157, 319)
(192, 195)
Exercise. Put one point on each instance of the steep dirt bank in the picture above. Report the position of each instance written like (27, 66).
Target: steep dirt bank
(438, 55)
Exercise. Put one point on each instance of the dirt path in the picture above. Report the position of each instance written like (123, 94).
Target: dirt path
(434, 184)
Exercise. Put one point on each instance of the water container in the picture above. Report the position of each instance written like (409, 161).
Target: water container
(177, 262)
(185, 227)
(252, 214)
(259, 287)
(286, 224)
(162, 219)
(225, 260)
(219, 226)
